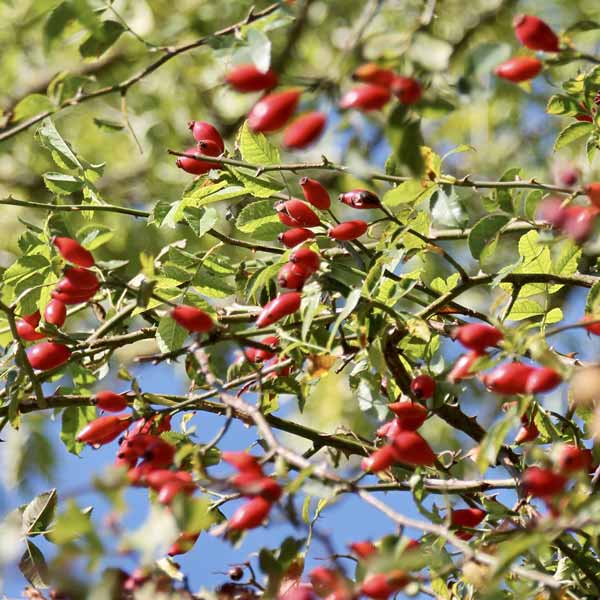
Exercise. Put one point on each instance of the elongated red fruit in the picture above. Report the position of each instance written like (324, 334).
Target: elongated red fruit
(77, 279)
(466, 517)
(250, 515)
(412, 449)
(55, 312)
(295, 236)
(477, 336)
(48, 355)
(407, 90)
(167, 492)
(572, 459)
(110, 401)
(423, 386)
(292, 276)
(593, 193)
(374, 74)
(527, 433)
(193, 319)
(508, 378)
(273, 111)
(535, 34)
(361, 199)
(242, 461)
(26, 327)
(250, 485)
(519, 68)
(196, 166)
(304, 130)
(83, 296)
(381, 586)
(380, 460)
(578, 222)
(366, 97)
(184, 543)
(73, 251)
(258, 355)
(104, 429)
(349, 230)
(462, 367)
(295, 213)
(247, 78)
(278, 308)
(306, 258)
(157, 478)
(203, 131)
(363, 549)
(542, 380)
(542, 483)
(315, 193)
(410, 415)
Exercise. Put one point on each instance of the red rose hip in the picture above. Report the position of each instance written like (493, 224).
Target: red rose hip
(366, 97)
(247, 78)
(315, 193)
(203, 131)
(348, 231)
(535, 34)
(295, 236)
(48, 355)
(55, 312)
(110, 401)
(423, 386)
(195, 320)
(273, 111)
(407, 89)
(295, 213)
(477, 336)
(278, 308)
(519, 69)
(304, 130)
(250, 515)
(361, 199)
(72, 251)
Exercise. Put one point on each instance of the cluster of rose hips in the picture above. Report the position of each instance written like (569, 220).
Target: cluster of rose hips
(534, 34)
(79, 284)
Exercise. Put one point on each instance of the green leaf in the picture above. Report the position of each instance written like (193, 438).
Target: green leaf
(586, 25)
(351, 303)
(33, 566)
(412, 191)
(170, 335)
(74, 419)
(39, 513)
(48, 136)
(259, 187)
(62, 183)
(406, 140)
(32, 105)
(260, 220)
(59, 18)
(100, 41)
(256, 148)
(108, 124)
(592, 302)
(560, 104)
(572, 132)
(94, 235)
(493, 440)
(200, 220)
(200, 194)
(484, 230)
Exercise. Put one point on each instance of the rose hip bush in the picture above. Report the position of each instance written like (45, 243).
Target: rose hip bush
(296, 232)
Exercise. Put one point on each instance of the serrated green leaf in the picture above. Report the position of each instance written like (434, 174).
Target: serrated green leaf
(101, 40)
(63, 183)
(409, 192)
(484, 230)
(74, 419)
(47, 135)
(256, 148)
(493, 440)
(560, 104)
(170, 335)
(32, 105)
(199, 219)
(39, 513)
(571, 133)
(33, 566)
(260, 220)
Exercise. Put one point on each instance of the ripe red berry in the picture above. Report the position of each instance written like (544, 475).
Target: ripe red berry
(477, 336)
(295, 213)
(184, 543)
(251, 485)
(255, 355)
(278, 308)
(293, 237)
(412, 449)
(374, 74)
(315, 193)
(366, 97)
(273, 111)
(380, 460)
(48, 355)
(167, 492)
(410, 415)
(540, 482)
(55, 312)
(381, 586)
(104, 429)
(203, 131)
(527, 433)
(423, 386)
(304, 130)
(407, 89)
(572, 459)
(250, 515)
(73, 251)
(542, 380)
(362, 199)
(347, 231)
(519, 68)
(292, 276)
(584, 118)
(389, 430)
(110, 401)
(324, 580)
(535, 34)
(158, 478)
(299, 591)
(578, 222)
(77, 279)
(462, 367)
(26, 327)
(508, 378)
(247, 78)
(242, 461)
(73, 296)
(306, 258)
(363, 549)
(193, 319)
(593, 328)
(593, 193)
(196, 166)
(466, 517)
